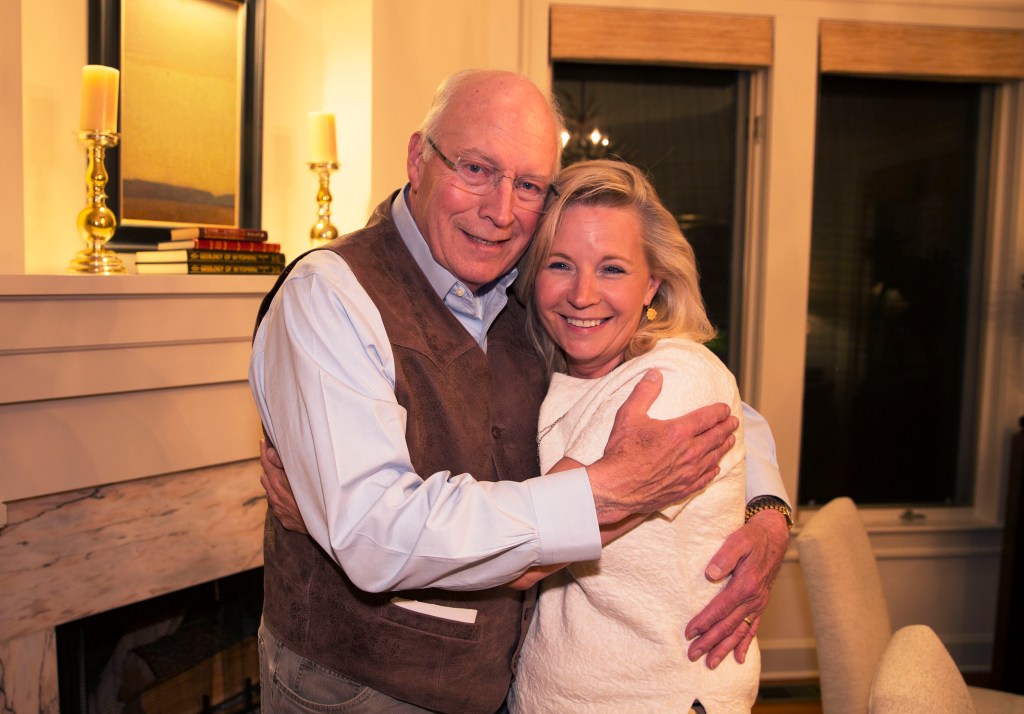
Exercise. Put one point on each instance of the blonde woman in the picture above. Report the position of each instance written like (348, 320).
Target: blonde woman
(611, 289)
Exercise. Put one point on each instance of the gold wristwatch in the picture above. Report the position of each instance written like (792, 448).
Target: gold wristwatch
(765, 503)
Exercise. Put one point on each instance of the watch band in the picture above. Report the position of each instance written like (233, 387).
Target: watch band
(765, 503)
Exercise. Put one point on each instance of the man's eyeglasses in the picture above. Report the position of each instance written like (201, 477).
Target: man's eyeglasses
(480, 178)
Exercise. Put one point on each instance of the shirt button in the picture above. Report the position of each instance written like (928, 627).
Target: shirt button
(460, 292)
(496, 432)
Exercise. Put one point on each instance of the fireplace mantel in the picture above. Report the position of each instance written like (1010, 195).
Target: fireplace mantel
(128, 439)
(106, 379)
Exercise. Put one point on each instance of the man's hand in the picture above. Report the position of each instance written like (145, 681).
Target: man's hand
(279, 492)
(650, 463)
(753, 556)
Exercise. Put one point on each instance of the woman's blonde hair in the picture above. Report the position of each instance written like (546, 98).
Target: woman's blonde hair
(669, 256)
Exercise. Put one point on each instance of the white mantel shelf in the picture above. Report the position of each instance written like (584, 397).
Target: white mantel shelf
(114, 285)
(109, 379)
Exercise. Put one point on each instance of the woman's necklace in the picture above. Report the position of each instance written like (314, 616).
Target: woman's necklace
(547, 430)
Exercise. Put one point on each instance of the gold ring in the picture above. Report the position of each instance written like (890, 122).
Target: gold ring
(747, 620)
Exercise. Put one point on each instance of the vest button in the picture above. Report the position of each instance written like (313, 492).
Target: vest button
(496, 432)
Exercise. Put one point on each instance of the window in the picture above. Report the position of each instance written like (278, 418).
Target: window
(687, 128)
(915, 160)
(894, 303)
(672, 92)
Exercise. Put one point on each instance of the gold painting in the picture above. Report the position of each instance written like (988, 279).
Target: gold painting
(181, 110)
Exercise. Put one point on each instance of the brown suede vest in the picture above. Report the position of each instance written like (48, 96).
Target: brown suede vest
(467, 412)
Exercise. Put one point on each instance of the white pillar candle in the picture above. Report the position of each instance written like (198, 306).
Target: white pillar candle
(322, 140)
(99, 98)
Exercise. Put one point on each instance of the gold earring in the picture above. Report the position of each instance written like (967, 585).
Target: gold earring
(652, 314)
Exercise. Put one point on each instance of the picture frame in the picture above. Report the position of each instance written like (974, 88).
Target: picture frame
(192, 133)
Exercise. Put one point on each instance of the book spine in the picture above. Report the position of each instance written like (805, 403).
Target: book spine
(246, 234)
(234, 268)
(250, 246)
(226, 256)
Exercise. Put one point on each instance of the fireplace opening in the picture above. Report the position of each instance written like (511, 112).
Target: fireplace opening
(191, 651)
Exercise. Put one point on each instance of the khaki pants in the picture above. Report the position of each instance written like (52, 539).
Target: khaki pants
(292, 684)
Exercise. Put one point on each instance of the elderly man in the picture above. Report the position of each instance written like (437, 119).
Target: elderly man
(393, 375)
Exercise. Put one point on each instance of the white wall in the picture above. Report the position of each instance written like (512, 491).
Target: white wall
(11, 181)
(54, 162)
(317, 58)
(416, 45)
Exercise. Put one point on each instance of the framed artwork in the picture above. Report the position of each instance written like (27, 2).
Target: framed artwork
(191, 108)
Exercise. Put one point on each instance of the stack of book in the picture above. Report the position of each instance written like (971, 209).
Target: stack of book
(207, 250)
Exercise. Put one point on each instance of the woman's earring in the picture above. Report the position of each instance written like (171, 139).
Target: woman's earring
(652, 314)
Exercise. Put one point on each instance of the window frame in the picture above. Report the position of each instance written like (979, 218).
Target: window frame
(891, 50)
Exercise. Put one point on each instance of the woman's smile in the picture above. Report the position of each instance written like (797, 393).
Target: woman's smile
(591, 292)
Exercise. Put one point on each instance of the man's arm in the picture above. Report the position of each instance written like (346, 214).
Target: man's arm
(750, 557)
(608, 533)
(649, 463)
(323, 375)
(763, 475)
(323, 378)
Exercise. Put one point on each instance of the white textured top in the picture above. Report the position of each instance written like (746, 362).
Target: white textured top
(608, 634)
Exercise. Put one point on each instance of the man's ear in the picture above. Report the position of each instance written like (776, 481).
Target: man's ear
(414, 160)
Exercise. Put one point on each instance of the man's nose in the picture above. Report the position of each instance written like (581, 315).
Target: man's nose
(498, 204)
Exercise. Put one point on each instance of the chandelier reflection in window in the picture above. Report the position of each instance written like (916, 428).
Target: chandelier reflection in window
(582, 138)
(577, 145)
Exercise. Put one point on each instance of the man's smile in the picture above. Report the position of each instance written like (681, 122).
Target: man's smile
(481, 241)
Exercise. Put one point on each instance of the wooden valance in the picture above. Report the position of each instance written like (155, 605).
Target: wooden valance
(951, 53)
(600, 34)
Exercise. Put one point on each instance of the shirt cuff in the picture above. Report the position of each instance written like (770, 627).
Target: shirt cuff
(764, 479)
(566, 517)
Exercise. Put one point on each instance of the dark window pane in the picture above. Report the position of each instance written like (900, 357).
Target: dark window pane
(895, 256)
(686, 128)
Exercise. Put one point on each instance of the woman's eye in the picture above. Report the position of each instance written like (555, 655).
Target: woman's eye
(558, 265)
(614, 270)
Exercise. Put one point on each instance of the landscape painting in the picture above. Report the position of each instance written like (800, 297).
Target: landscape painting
(181, 110)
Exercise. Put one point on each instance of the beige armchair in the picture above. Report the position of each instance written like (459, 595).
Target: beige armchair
(848, 609)
(916, 675)
(851, 619)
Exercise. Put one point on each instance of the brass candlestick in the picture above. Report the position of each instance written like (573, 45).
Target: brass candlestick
(323, 231)
(96, 222)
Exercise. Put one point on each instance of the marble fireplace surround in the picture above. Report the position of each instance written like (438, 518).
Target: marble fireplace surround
(69, 555)
(128, 445)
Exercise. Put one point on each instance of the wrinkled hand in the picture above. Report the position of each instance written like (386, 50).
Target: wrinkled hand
(651, 463)
(279, 492)
(753, 555)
